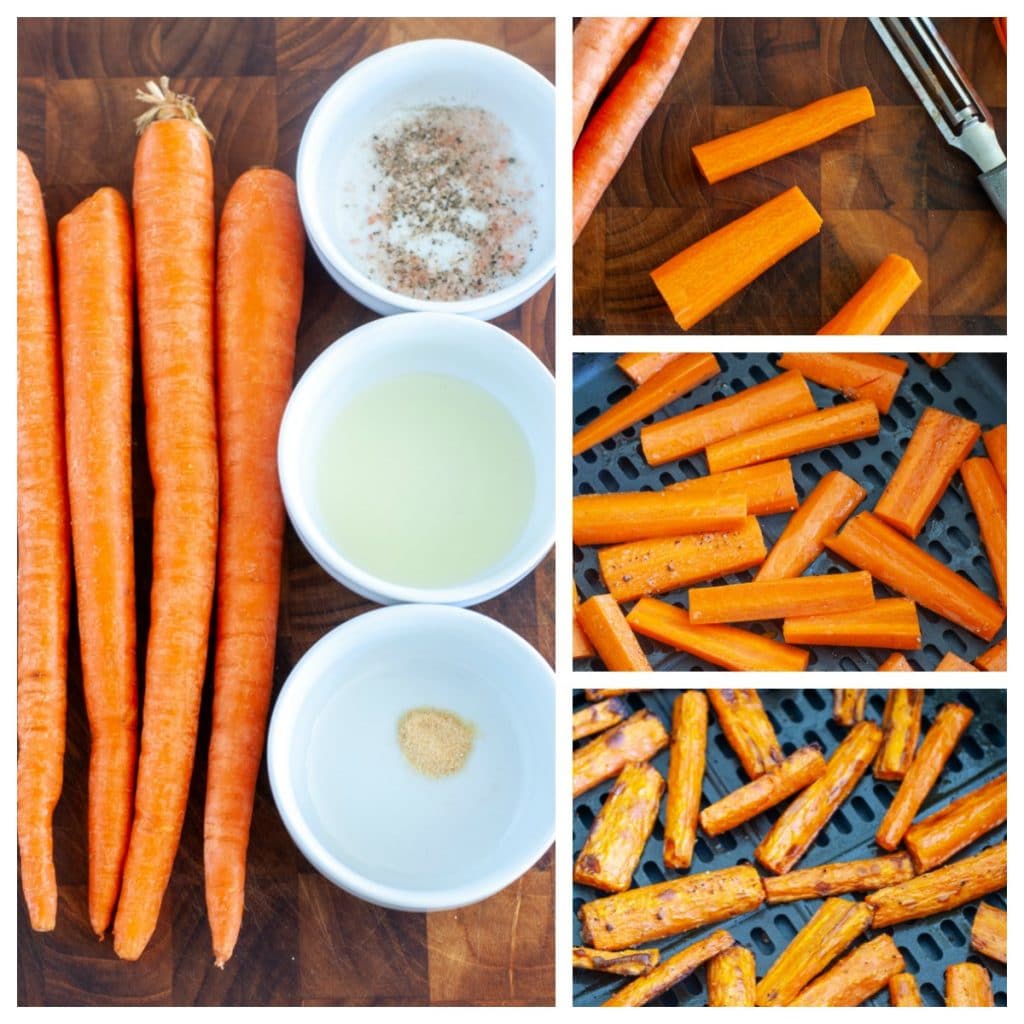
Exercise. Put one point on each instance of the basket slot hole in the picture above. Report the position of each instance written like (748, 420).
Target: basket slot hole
(883, 795)
(891, 459)
(653, 871)
(763, 939)
(629, 470)
(703, 852)
(930, 995)
(921, 393)
(758, 374)
(939, 551)
(593, 577)
(791, 709)
(810, 472)
(965, 408)
(693, 984)
(589, 456)
(608, 479)
(815, 699)
(871, 474)
(726, 842)
(847, 664)
(929, 946)
(959, 536)
(842, 823)
(787, 930)
(665, 479)
(993, 734)
(903, 407)
(585, 816)
(852, 450)
(954, 642)
(969, 746)
(911, 961)
(586, 487)
(860, 805)
(588, 414)
(830, 460)
(941, 381)
(952, 933)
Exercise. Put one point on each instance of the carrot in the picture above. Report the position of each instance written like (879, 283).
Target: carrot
(741, 150)
(638, 366)
(994, 659)
(937, 448)
(696, 281)
(895, 663)
(954, 663)
(936, 359)
(598, 47)
(901, 728)
(638, 738)
(995, 445)
(606, 628)
(96, 272)
(607, 139)
(747, 728)
(44, 558)
(629, 962)
(988, 932)
(848, 705)
(778, 398)
(174, 221)
(732, 978)
(768, 487)
(988, 499)
(671, 381)
(898, 562)
(864, 875)
(581, 645)
(968, 984)
(857, 977)
(594, 718)
(903, 990)
(874, 306)
(890, 622)
(847, 422)
(855, 374)
(687, 749)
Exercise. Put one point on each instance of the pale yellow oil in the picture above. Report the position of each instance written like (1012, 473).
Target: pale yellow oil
(425, 480)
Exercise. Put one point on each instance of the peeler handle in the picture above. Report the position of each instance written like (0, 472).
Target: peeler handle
(994, 183)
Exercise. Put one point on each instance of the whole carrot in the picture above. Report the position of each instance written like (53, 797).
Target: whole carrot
(44, 561)
(174, 222)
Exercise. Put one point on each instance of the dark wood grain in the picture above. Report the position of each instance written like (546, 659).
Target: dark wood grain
(889, 185)
(303, 941)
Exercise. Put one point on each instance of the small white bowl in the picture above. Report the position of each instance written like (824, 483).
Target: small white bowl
(353, 804)
(429, 71)
(410, 343)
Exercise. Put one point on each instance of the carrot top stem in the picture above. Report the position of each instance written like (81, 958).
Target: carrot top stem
(165, 104)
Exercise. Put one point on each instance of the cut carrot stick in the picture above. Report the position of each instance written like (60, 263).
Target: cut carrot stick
(896, 663)
(628, 962)
(994, 659)
(858, 976)
(638, 366)
(725, 646)
(891, 622)
(675, 379)
(598, 47)
(685, 778)
(696, 281)
(903, 990)
(643, 567)
(96, 271)
(857, 375)
(936, 359)
(875, 305)
(847, 422)
(987, 495)
(995, 444)
(637, 515)
(606, 628)
(848, 706)
(602, 694)
(988, 932)
(638, 738)
(749, 731)
(44, 556)
(768, 487)
(937, 448)
(174, 222)
(898, 562)
(954, 663)
(581, 645)
(741, 150)
(732, 977)
(596, 718)
(609, 136)
(901, 729)
(833, 879)
(968, 984)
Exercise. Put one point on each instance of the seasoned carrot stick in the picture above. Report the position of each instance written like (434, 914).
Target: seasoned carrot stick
(901, 729)
(857, 977)
(654, 912)
(628, 962)
(606, 628)
(797, 772)
(596, 718)
(685, 777)
(896, 662)
(987, 495)
(746, 725)
(995, 445)
(833, 879)
(903, 990)
(799, 824)
(898, 562)
(638, 738)
(936, 359)
(732, 978)
(891, 622)
(988, 932)
(936, 747)
(641, 567)
(621, 829)
(835, 924)
(602, 694)
(581, 645)
(671, 381)
(696, 281)
(638, 366)
(994, 659)
(856, 375)
(725, 646)
(768, 487)
(968, 984)
(848, 706)
(875, 304)
(954, 663)
(847, 422)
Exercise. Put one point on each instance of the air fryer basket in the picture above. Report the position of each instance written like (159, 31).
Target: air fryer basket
(800, 717)
(972, 385)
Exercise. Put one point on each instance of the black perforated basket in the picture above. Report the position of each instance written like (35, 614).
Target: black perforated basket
(801, 717)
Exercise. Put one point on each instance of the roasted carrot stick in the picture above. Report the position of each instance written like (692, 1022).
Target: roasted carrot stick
(44, 556)
(848, 706)
(799, 824)
(875, 305)
(696, 281)
(638, 738)
(901, 729)
(954, 663)
(671, 381)
(96, 271)
(994, 659)
(896, 663)
(609, 136)
(968, 984)
(778, 398)
(898, 562)
(833, 879)
(768, 487)
(857, 375)
(987, 495)
(891, 622)
(995, 445)
(857, 977)
(847, 422)
(628, 962)
(174, 222)
(596, 718)
(903, 990)
(725, 646)
(685, 778)
(732, 977)
(602, 694)
(746, 725)
(936, 359)
(750, 147)
(606, 628)
(638, 366)
(988, 931)
(581, 646)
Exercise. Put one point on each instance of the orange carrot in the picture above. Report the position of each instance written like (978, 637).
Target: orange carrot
(847, 422)
(895, 663)
(174, 221)
(778, 398)
(44, 558)
(581, 645)
(864, 875)
(685, 777)
(954, 663)
(606, 628)
(994, 659)
(747, 729)
(995, 444)
(824, 510)
(988, 499)
(768, 487)
(936, 359)
(848, 705)
(874, 306)
(96, 272)
(607, 139)
(988, 932)
(901, 728)
(638, 366)
(594, 718)
(638, 738)
(891, 622)
(855, 374)
(696, 281)
(675, 379)
(732, 977)
(903, 990)
(857, 977)
(968, 984)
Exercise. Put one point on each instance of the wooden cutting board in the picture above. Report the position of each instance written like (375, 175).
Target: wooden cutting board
(888, 185)
(303, 941)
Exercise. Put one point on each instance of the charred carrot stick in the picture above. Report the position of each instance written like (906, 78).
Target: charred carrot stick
(653, 912)
(987, 495)
(602, 694)
(638, 366)
(903, 990)
(606, 628)
(778, 398)
(988, 932)
(891, 622)
(628, 962)
(671, 381)
(44, 556)
(687, 749)
(896, 663)
(901, 729)
(768, 487)
(875, 305)
(994, 659)
(936, 359)
(595, 718)
(857, 375)
(696, 281)
(898, 562)
(848, 706)
(725, 646)
(995, 445)
(621, 829)
(732, 977)
(174, 222)
(968, 984)
(741, 150)
(747, 728)
(96, 271)
(581, 645)
(954, 663)
(799, 824)
(797, 772)
(642, 567)
(847, 422)
(608, 138)
(833, 879)
(857, 977)
(638, 738)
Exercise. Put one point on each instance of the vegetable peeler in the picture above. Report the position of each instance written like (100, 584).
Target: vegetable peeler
(948, 96)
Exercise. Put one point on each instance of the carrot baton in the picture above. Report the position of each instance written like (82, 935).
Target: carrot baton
(732, 977)
(896, 662)
(968, 984)
(687, 749)
(581, 645)
(857, 375)
(848, 706)
(865, 875)
(606, 628)
(638, 738)
(995, 445)
(988, 932)
(901, 729)
(768, 487)
(936, 359)
(857, 977)
(903, 990)
(44, 556)
(595, 718)
(987, 495)
(628, 962)
(603, 694)
(638, 366)
(994, 659)
(951, 662)
(891, 622)
(747, 728)
(875, 305)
